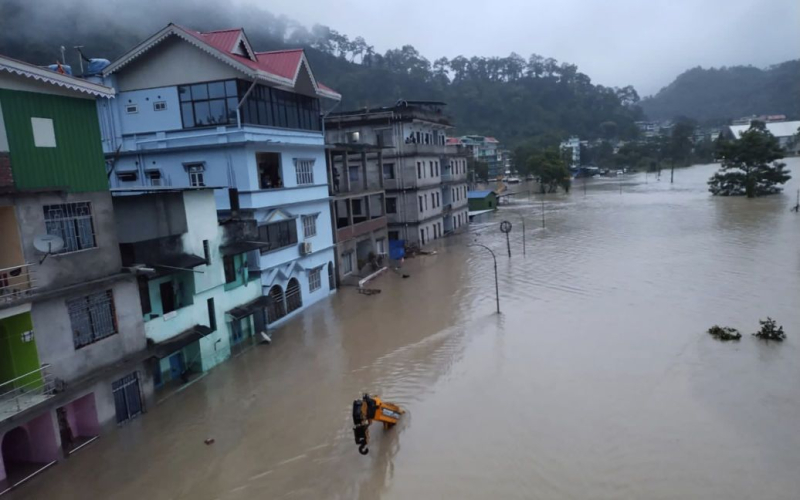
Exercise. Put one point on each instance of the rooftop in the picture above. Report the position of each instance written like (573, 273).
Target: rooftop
(479, 194)
(778, 129)
(50, 77)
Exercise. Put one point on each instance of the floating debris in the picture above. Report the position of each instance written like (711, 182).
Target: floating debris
(209, 441)
(368, 291)
(770, 330)
(724, 333)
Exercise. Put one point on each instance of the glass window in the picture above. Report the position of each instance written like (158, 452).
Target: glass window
(188, 114)
(278, 234)
(347, 263)
(315, 279)
(232, 103)
(216, 90)
(269, 170)
(388, 170)
(305, 171)
(202, 113)
(73, 223)
(92, 318)
(230, 88)
(309, 226)
(391, 205)
(199, 91)
(230, 269)
(185, 93)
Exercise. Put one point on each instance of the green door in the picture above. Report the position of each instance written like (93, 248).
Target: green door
(18, 354)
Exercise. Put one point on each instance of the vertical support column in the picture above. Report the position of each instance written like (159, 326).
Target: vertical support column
(349, 211)
(364, 169)
(380, 168)
(346, 170)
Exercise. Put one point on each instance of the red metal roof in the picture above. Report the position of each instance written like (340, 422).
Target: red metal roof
(281, 63)
(453, 140)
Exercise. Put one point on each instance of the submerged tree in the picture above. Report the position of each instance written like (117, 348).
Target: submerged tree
(749, 165)
(551, 169)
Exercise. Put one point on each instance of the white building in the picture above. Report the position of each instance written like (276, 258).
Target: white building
(785, 132)
(573, 144)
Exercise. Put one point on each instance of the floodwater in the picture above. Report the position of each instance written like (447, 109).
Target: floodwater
(596, 381)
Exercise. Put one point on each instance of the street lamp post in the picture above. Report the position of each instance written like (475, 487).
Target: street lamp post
(496, 286)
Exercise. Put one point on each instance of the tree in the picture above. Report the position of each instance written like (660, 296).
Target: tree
(551, 169)
(477, 169)
(679, 147)
(749, 165)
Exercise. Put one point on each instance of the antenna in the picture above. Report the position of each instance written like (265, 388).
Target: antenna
(48, 244)
(63, 57)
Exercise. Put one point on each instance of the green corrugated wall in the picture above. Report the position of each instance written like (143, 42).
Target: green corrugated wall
(76, 163)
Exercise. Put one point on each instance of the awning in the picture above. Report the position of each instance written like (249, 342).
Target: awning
(241, 247)
(163, 349)
(177, 263)
(252, 307)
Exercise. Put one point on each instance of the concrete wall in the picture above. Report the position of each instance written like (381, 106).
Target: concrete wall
(147, 119)
(167, 65)
(54, 336)
(146, 217)
(74, 267)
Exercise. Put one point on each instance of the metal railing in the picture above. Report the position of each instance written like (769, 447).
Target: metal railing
(16, 282)
(26, 390)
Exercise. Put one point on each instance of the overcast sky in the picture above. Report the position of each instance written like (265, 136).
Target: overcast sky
(645, 43)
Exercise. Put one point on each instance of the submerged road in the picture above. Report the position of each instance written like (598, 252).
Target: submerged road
(597, 380)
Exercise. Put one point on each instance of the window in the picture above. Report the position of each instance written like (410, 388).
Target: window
(430, 165)
(73, 223)
(420, 204)
(422, 235)
(278, 234)
(92, 318)
(196, 174)
(391, 205)
(131, 108)
(380, 246)
(229, 264)
(305, 171)
(419, 170)
(207, 252)
(212, 315)
(127, 397)
(269, 170)
(127, 176)
(159, 106)
(353, 137)
(385, 138)
(347, 263)
(388, 170)
(437, 169)
(27, 336)
(154, 176)
(353, 173)
(207, 104)
(309, 226)
(276, 108)
(315, 279)
(394, 235)
(44, 135)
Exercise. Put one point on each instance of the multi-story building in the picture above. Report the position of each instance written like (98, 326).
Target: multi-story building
(355, 181)
(424, 178)
(198, 297)
(72, 343)
(573, 148)
(205, 109)
(487, 150)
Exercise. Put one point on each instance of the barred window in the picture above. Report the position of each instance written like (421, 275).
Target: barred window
(73, 223)
(92, 318)
(347, 263)
(315, 279)
(309, 225)
(305, 171)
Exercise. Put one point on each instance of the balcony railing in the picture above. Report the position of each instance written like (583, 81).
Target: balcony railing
(25, 391)
(16, 282)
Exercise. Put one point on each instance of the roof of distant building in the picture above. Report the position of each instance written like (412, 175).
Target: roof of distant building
(280, 67)
(51, 77)
(479, 194)
(454, 140)
(778, 129)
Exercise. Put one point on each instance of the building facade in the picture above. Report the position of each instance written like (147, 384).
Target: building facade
(72, 343)
(204, 109)
(356, 183)
(425, 179)
(486, 150)
(572, 147)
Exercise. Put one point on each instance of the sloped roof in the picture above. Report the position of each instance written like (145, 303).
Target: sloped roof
(453, 140)
(778, 129)
(51, 77)
(478, 194)
(278, 68)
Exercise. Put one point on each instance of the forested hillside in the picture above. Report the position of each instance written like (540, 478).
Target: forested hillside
(719, 94)
(514, 98)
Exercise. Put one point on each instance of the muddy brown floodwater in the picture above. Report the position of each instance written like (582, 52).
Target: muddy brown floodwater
(597, 381)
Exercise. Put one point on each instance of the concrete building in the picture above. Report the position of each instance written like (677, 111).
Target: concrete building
(198, 296)
(72, 343)
(355, 181)
(487, 150)
(425, 179)
(785, 132)
(205, 109)
(573, 148)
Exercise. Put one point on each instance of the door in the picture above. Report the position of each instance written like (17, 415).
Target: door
(176, 365)
(167, 297)
(127, 398)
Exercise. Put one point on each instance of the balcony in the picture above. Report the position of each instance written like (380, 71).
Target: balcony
(414, 149)
(25, 391)
(367, 226)
(17, 283)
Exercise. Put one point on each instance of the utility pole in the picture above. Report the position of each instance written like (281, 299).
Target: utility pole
(524, 252)
(496, 286)
(542, 212)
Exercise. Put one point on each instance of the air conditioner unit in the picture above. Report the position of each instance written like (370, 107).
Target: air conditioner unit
(305, 248)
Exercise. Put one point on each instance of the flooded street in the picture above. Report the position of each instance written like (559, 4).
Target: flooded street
(596, 381)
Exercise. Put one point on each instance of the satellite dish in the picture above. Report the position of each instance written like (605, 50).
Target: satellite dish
(48, 244)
